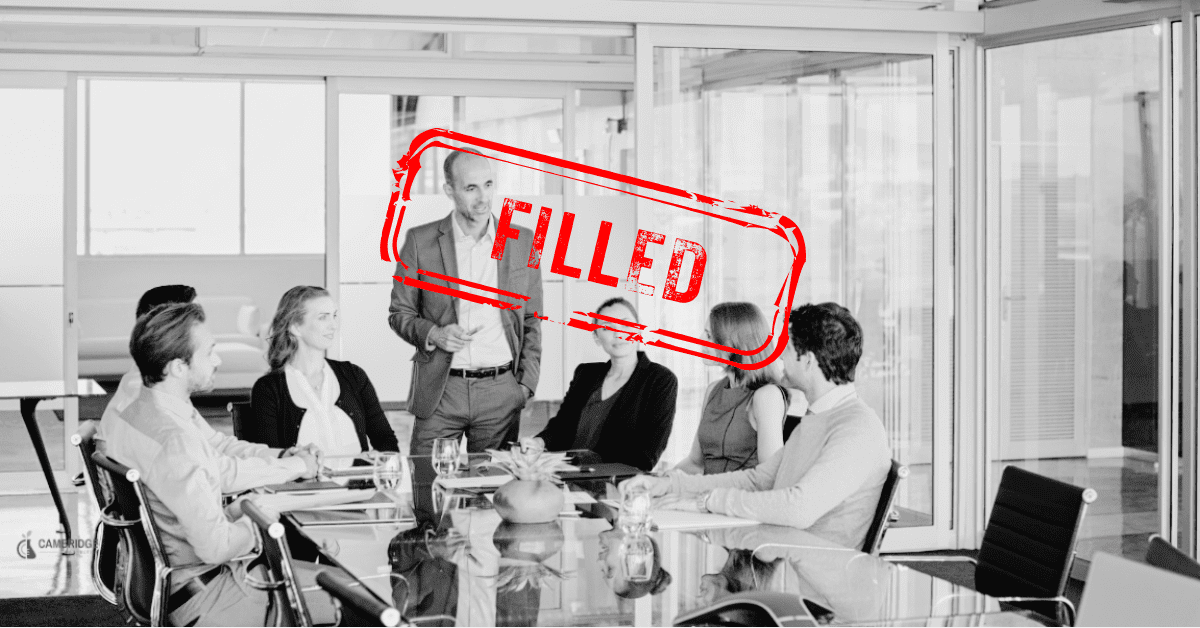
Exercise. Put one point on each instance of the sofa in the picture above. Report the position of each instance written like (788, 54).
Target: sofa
(104, 326)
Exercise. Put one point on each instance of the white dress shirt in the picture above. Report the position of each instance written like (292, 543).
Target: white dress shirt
(185, 466)
(324, 424)
(488, 347)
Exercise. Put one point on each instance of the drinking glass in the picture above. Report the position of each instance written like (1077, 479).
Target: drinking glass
(389, 471)
(445, 456)
(637, 557)
(635, 508)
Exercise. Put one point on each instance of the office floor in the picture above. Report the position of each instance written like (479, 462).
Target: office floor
(1120, 521)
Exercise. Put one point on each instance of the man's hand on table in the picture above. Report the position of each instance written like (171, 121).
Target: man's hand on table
(312, 462)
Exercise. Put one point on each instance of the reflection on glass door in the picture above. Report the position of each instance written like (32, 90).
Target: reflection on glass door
(1074, 160)
(843, 144)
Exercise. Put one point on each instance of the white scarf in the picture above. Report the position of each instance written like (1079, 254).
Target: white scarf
(324, 424)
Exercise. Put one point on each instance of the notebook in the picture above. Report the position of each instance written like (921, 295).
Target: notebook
(1121, 592)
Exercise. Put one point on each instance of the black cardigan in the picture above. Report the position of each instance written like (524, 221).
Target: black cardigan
(639, 423)
(277, 419)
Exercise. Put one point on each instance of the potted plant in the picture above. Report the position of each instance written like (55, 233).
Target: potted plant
(535, 493)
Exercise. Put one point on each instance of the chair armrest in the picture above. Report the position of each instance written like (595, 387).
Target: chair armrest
(922, 558)
(1060, 600)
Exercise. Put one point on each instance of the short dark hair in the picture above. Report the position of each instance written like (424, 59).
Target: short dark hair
(830, 332)
(454, 156)
(162, 335)
(163, 295)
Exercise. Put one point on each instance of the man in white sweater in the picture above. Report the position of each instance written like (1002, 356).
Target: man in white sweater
(828, 476)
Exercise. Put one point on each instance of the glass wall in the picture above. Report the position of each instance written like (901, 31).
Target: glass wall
(201, 167)
(842, 143)
(1075, 156)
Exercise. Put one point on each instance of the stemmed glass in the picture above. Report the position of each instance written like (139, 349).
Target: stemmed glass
(445, 456)
(635, 509)
(389, 471)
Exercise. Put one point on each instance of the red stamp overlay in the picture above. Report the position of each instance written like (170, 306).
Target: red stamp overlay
(650, 249)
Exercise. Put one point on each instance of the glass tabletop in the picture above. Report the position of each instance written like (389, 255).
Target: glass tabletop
(446, 558)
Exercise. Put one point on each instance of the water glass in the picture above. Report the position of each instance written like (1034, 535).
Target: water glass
(637, 558)
(389, 471)
(635, 508)
(445, 456)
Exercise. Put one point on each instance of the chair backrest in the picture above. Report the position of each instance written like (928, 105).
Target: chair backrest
(104, 553)
(1163, 555)
(141, 566)
(883, 510)
(790, 423)
(1121, 592)
(290, 603)
(359, 607)
(243, 421)
(1029, 542)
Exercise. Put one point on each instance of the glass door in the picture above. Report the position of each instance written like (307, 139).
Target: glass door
(841, 140)
(1075, 154)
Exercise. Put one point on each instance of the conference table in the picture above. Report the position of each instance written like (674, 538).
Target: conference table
(443, 557)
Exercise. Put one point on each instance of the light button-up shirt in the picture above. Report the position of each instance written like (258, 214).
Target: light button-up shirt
(185, 466)
(488, 347)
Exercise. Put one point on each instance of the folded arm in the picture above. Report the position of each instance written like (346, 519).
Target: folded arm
(845, 464)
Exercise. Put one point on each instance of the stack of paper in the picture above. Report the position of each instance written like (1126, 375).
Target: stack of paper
(305, 501)
(481, 481)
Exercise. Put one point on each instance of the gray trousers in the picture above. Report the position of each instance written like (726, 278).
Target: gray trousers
(486, 409)
(228, 601)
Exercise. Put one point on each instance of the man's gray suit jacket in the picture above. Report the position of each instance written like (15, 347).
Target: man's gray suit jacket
(415, 310)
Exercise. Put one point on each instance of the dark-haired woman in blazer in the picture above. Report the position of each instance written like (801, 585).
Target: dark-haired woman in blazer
(310, 399)
(622, 409)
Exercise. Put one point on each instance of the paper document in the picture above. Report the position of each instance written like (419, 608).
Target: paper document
(303, 501)
(680, 520)
(482, 481)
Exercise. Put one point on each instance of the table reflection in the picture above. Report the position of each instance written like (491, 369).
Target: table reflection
(451, 561)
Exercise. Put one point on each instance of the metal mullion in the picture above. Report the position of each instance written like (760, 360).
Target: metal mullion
(241, 167)
(1168, 317)
(1187, 521)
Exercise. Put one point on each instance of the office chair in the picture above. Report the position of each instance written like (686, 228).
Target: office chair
(885, 512)
(243, 421)
(291, 609)
(104, 550)
(790, 423)
(146, 585)
(356, 605)
(1163, 555)
(1029, 542)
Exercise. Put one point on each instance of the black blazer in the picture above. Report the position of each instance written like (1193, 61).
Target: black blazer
(639, 424)
(278, 419)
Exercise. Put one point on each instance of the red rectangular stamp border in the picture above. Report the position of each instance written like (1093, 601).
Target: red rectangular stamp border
(748, 216)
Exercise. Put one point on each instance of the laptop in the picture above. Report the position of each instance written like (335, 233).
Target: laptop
(1121, 592)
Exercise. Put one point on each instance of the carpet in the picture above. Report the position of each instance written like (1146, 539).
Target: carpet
(66, 610)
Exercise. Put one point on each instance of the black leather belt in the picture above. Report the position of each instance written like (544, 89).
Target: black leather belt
(192, 588)
(491, 371)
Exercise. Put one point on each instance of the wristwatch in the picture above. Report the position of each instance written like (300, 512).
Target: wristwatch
(702, 501)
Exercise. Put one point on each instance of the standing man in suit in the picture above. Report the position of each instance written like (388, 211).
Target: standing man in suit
(476, 364)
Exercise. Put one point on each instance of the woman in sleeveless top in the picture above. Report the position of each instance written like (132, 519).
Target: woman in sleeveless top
(741, 423)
